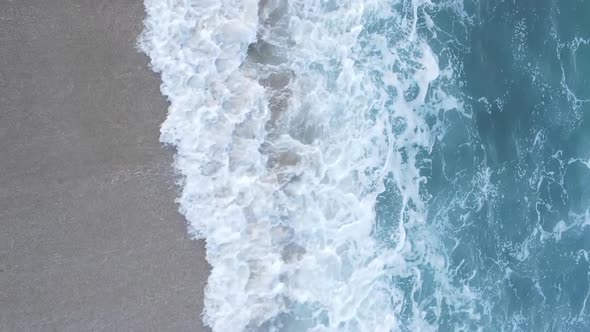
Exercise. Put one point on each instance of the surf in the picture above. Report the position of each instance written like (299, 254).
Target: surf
(293, 121)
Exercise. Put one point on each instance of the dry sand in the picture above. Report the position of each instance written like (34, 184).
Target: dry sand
(90, 239)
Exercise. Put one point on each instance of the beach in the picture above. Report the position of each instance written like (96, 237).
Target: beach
(91, 238)
(352, 166)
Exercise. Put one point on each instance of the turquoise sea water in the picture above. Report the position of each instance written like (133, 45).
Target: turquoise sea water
(509, 186)
(383, 165)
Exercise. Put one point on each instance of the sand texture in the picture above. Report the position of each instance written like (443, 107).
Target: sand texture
(90, 238)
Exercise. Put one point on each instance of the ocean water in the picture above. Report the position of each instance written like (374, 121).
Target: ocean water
(382, 165)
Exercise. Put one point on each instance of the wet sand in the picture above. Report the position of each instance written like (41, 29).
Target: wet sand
(90, 238)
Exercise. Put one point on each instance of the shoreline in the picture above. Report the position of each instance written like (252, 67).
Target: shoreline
(93, 238)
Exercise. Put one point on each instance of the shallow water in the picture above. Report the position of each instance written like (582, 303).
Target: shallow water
(382, 165)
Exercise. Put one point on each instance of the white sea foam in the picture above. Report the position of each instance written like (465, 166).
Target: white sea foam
(287, 116)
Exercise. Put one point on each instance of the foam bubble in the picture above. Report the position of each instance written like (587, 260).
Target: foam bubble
(288, 117)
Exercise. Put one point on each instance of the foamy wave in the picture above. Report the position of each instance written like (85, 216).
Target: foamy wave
(287, 117)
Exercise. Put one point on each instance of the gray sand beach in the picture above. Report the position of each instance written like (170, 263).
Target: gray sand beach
(90, 238)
